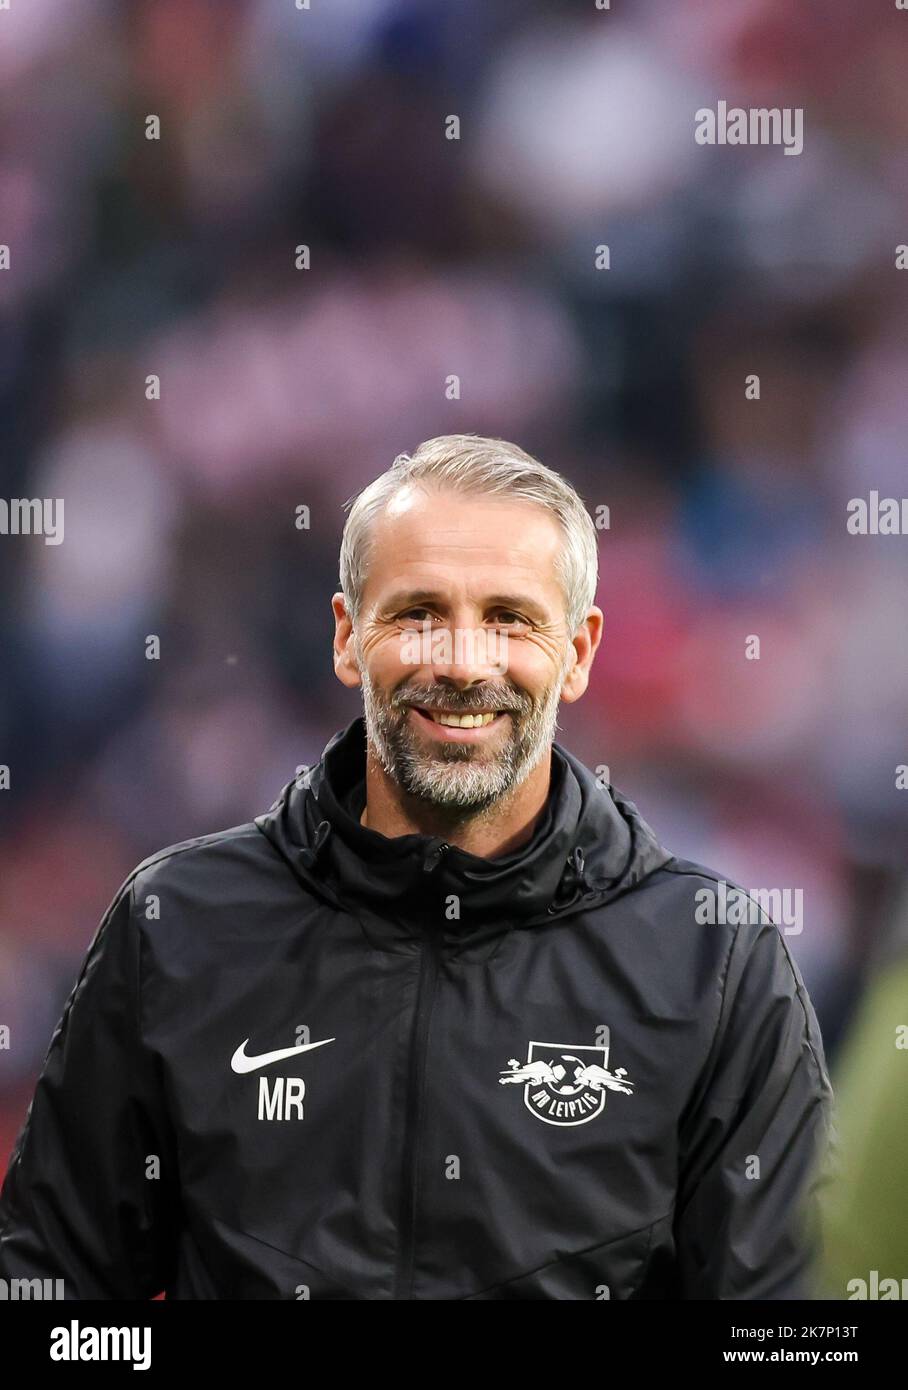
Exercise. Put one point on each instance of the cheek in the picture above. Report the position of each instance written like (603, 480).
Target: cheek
(531, 668)
(387, 661)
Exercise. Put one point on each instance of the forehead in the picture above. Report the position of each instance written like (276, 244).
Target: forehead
(443, 536)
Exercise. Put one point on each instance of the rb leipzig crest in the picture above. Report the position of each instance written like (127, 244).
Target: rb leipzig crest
(565, 1083)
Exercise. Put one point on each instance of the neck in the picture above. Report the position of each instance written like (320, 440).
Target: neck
(497, 829)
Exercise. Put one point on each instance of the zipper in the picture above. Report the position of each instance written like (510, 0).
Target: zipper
(429, 965)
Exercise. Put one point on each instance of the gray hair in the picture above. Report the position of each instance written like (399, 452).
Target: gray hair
(471, 463)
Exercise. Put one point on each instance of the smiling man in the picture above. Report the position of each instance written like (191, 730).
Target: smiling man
(456, 748)
(446, 1022)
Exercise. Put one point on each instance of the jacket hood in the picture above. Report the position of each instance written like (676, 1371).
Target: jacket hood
(590, 845)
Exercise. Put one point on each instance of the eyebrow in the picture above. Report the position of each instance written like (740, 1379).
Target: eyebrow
(411, 598)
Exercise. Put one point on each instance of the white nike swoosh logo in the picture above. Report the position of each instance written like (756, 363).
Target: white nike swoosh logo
(241, 1063)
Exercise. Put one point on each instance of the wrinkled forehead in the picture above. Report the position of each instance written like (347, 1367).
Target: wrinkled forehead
(465, 543)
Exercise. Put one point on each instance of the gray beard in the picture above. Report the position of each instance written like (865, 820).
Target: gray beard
(452, 777)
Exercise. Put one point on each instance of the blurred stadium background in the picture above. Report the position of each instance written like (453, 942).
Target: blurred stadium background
(284, 387)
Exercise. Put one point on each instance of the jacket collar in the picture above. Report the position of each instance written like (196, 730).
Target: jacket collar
(589, 845)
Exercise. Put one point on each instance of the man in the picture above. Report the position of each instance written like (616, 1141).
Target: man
(446, 1022)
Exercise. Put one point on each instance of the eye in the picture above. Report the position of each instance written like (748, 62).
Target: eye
(508, 618)
(418, 615)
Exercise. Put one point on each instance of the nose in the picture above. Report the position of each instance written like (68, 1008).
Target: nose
(465, 656)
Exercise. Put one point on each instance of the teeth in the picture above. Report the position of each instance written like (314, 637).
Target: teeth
(462, 721)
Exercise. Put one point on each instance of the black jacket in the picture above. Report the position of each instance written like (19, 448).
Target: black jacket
(529, 1077)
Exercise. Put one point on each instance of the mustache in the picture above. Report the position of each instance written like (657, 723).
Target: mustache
(435, 697)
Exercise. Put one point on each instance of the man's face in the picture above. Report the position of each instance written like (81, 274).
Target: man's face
(448, 574)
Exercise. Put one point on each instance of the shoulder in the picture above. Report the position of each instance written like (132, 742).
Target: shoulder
(761, 977)
(228, 865)
(727, 929)
(199, 849)
(710, 899)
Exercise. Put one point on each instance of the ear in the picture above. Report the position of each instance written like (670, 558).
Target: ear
(345, 665)
(585, 642)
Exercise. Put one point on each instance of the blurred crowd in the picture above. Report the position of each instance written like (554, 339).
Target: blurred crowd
(284, 387)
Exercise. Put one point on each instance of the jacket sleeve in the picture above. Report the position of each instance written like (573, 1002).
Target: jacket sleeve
(83, 1200)
(758, 1135)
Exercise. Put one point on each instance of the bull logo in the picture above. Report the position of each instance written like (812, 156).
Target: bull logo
(564, 1083)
